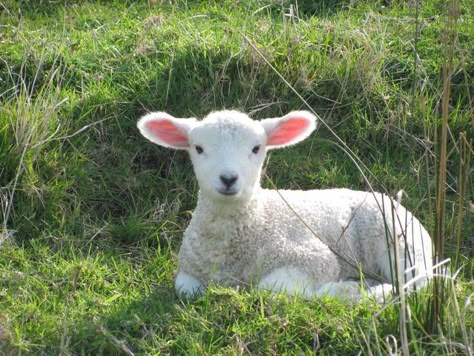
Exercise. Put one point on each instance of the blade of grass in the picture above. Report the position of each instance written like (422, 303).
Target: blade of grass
(448, 43)
(464, 167)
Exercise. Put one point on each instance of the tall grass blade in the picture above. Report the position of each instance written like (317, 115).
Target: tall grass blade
(448, 45)
(464, 167)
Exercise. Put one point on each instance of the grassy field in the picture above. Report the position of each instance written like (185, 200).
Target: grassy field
(92, 214)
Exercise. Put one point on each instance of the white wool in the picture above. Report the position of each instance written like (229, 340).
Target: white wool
(299, 242)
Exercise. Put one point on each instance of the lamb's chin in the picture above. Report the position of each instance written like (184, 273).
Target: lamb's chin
(227, 196)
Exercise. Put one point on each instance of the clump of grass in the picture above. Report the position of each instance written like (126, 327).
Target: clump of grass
(30, 122)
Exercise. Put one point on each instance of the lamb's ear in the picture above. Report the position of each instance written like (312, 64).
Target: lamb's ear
(289, 129)
(165, 130)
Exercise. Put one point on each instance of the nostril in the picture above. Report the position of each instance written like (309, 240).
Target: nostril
(228, 180)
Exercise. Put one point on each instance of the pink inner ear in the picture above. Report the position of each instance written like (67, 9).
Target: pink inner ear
(168, 132)
(287, 131)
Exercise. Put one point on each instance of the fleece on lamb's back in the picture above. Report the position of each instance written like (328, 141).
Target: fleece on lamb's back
(309, 242)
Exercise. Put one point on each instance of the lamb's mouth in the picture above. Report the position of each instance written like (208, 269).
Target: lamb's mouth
(227, 192)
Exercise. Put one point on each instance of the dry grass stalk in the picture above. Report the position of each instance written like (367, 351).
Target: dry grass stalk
(448, 44)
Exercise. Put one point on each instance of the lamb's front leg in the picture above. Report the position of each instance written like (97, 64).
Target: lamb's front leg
(289, 280)
(187, 285)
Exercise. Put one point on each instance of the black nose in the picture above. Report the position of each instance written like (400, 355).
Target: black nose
(228, 180)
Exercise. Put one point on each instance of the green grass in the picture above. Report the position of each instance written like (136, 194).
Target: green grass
(92, 214)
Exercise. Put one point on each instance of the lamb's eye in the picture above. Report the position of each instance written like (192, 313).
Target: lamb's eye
(199, 149)
(256, 149)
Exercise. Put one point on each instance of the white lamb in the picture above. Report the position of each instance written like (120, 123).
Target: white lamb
(300, 242)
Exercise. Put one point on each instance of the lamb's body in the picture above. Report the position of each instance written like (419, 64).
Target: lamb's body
(309, 242)
(242, 247)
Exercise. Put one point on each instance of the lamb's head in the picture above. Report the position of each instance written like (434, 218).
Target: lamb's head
(227, 148)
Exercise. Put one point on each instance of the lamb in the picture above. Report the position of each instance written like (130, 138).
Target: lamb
(308, 243)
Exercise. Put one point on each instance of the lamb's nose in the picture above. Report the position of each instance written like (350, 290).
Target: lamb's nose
(228, 180)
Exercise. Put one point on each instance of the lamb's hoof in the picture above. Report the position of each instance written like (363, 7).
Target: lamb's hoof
(188, 286)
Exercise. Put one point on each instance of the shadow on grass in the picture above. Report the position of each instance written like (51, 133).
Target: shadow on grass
(306, 8)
